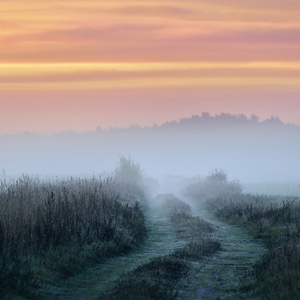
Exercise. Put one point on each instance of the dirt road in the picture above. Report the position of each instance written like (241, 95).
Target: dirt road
(216, 277)
(220, 276)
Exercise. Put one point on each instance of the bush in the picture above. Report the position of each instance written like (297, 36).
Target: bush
(213, 186)
(129, 178)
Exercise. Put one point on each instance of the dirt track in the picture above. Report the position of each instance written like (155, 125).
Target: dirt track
(161, 241)
(216, 277)
(220, 276)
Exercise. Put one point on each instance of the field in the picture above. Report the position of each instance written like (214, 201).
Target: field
(104, 238)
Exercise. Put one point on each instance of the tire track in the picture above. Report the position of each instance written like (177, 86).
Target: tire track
(161, 241)
(221, 276)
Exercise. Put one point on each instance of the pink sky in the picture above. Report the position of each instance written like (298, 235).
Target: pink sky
(81, 64)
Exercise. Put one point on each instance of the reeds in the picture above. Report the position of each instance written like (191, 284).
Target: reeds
(61, 227)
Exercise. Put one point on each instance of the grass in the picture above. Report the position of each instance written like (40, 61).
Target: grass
(50, 230)
(161, 277)
(277, 223)
(154, 280)
(273, 219)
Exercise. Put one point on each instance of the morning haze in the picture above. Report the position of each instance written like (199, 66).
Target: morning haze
(250, 150)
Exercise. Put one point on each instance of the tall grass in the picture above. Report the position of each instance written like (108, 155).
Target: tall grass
(277, 223)
(53, 229)
(274, 220)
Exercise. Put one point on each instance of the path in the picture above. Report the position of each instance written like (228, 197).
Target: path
(220, 276)
(216, 277)
(90, 284)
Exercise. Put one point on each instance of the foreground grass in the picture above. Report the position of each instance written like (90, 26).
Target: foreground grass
(276, 221)
(161, 277)
(50, 231)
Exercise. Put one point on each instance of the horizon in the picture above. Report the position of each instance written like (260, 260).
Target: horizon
(249, 149)
(75, 66)
(203, 115)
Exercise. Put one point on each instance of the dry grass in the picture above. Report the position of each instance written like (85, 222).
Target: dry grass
(277, 222)
(55, 229)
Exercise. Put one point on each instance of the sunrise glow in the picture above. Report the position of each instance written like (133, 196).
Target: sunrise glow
(224, 57)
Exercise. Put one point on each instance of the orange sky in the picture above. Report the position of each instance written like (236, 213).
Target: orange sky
(81, 64)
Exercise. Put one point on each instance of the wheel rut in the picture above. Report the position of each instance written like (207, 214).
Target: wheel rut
(222, 275)
(217, 277)
(90, 284)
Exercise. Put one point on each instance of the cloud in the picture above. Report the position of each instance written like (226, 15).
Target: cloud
(114, 33)
(290, 36)
(151, 31)
(83, 72)
(155, 11)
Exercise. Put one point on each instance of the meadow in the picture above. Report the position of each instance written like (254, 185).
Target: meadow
(104, 238)
(273, 220)
(51, 230)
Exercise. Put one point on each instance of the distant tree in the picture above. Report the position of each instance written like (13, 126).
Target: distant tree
(217, 175)
(129, 177)
(205, 115)
(128, 171)
(242, 117)
(273, 121)
(254, 118)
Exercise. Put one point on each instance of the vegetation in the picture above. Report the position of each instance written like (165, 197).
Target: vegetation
(157, 279)
(191, 229)
(274, 220)
(161, 277)
(187, 227)
(129, 177)
(173, 206)
(52, 230)
(216, 184)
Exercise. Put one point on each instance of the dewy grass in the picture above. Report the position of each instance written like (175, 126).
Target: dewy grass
(154, 280)
(55, 229)
(278, 225)
(161, 277)
(274, 220)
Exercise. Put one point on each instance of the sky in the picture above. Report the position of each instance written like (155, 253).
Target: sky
(75, 65)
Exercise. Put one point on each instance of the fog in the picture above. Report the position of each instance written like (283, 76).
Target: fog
(256, 153)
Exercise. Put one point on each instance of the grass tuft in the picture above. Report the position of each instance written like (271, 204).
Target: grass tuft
(51, 230)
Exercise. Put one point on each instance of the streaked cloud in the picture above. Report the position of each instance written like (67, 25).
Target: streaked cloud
(145, 45)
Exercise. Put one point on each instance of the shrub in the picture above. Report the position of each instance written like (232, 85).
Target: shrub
(213, 186)
(129, 178)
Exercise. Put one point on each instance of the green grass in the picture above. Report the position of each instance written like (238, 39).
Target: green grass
(154, 280)
(276, 221)
(51, 230)
(161, 278)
